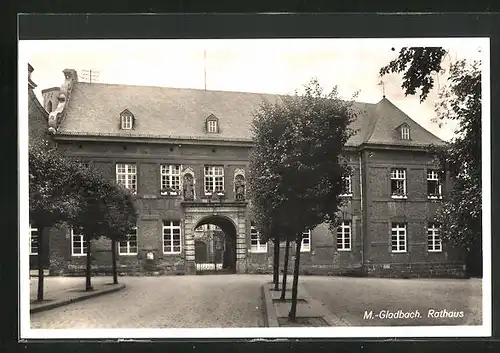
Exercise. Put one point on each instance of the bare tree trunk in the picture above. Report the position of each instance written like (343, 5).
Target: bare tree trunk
(276, 266)
(285, 269)
(88, 285)
(293, 310)
(40, 258)
(113, 259)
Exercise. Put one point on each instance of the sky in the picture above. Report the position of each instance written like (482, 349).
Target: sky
(277, 66)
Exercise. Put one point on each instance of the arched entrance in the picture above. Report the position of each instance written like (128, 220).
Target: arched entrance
(215, 245)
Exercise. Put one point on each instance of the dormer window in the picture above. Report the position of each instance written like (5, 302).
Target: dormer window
(127, 120)
(212, 124)
(405, 132)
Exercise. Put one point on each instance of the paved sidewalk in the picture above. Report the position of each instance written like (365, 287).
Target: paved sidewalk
(59, 291)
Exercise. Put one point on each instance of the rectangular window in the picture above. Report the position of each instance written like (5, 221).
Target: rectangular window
(398, 237)
(34, 236)
(171, 237)
(78, 244)
(306, 241)
(405, 133)
(214, 179)
(344, 236)
(212, 126)
(126, 175)
(255, 244)
(129, 246)
(346, 186)
(398, 183)
(433, 184)
(433, 238)
(170, 179)
(126, 122)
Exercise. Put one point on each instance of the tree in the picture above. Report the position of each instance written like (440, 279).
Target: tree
(459, 100)
(297, 163)
(121, 217)
(53, 197)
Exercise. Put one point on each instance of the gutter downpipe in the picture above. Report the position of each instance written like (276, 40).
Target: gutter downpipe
(361, 213)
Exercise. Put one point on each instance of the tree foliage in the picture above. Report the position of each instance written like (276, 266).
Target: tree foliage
(418, 65)
(459, 100)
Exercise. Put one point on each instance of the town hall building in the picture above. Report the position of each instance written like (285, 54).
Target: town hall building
(185, 155)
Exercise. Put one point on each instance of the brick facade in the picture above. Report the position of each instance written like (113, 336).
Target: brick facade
(370, 209)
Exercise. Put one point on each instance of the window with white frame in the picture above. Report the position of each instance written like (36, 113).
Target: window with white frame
(344, 236)
(305, 246)
(255, 243)
(126, 175)
(398, 183)
(34, 237)
(127, 121)
(214, 179)
(78, 244)
(212, 125)
(171, 237)
(346, 185)
(405, 132)
(433, 238)
(129, 245)
(398, 237)
(433, 184)
(170, 179)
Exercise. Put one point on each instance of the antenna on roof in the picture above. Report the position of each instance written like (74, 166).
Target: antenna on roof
(205, 67)
(382, 83)
(89, 75)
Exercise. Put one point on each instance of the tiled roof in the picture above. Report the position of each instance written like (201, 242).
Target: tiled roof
(94, 109)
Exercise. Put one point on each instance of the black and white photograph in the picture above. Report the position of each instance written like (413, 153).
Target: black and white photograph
(210, 188)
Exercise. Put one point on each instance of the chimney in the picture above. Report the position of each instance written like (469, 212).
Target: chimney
(31, 84)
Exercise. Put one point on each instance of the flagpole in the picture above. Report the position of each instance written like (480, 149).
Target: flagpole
(205, 67)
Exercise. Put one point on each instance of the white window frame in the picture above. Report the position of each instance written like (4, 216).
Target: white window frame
(170, 177)
(405, 132)
(255, 236)
(433, 175)
(212, 125)
(127, 122)
(32, 237)
(305, 245)
(434, 241)
(169, 227)
(399, 174)
(83, 244)
(214, 174)
(398, 232)
(347, 179)
(344, 233)
(126, 175)
(126, 244)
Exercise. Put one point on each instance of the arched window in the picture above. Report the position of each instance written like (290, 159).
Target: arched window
(49, 106)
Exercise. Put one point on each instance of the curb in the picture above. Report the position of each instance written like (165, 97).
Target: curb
(271, 317)
(59, 303)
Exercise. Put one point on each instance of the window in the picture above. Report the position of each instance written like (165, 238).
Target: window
(398, 237)
(433, 239)
(306, 241)
(346, 186)
(170, 179)
(214, 179)
(127, 122)
(255, 244)
(212, 125)
(129, 246)
(126, 175)
(78, 244)
(171, 237)
(344, 236)
(398, 183)
(405, 132)
(34, 236)
(433, 184)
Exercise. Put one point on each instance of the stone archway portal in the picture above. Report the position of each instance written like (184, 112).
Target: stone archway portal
(230, 218)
